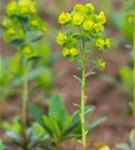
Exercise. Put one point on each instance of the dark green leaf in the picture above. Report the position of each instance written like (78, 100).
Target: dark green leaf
(37, 114)
(57, 109)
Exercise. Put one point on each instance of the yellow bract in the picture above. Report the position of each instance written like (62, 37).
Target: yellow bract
(64, 17)
(12, 7)
(33, 7)
(89, 7)
(98, 27)
(74, 52)
(101, 17)
(100, 43)
(79, 7)
(6, 22)
(107, 43)
(24, 6)
(11, 31)
(88, 24)
(77, 19)
(66, 52)
(61, 38)
(27, 49)
(101, 64)
(35, 23)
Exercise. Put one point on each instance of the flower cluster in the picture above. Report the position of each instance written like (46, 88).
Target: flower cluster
(21, 20)
(88, 26)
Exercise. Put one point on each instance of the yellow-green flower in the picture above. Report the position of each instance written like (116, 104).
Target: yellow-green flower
(88, 25)
(33, 7)
(89, 7)
(61, 38)
(77, 19)
(11, 31)
(79, 8)
(74, 52)
(26, 49)
(98, 27)
(130, 18)
(101, 64)
(20, 33)
(6, 22)
(12, 7)
(101, 17)
(107, 43)
(66, 52)
(64, 17)
(100, 43)
(24, 6)
(35, 23)
(44, 28)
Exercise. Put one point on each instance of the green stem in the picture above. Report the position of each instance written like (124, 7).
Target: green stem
(134, 68)
(83, 98)
(25, 93)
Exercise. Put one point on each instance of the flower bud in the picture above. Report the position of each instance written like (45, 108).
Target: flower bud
(64, 17)
(12, 8)
(88, 24)
(61, 38)
(77, 19)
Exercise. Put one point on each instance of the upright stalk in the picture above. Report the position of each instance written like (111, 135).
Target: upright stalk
(83, 97)
(134, 67)
(25, 93)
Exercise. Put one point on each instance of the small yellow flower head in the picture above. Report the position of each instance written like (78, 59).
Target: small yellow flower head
(12, 7)
(100, 43)
(44, 28)
(101, 17)
(66, 52)
(79, 8)
(89, 7)
(130, 18)
(101, 64)
(64, 17)
(98, 27)
(24, 6)
(61, 38)
(6, 22)
(20, 33)
(35, 23)
(77, 19)
(107, 43)
(11, 31)
(88, 25)
(26, 49)
(33, 7)
(74, 52)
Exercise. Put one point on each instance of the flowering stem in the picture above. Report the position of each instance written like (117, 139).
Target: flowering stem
(25, 93)
(83, 98)
(134, 67)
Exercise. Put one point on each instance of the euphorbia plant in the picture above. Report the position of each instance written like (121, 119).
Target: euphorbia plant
(84, 31)
(58, 125)
(24, 28)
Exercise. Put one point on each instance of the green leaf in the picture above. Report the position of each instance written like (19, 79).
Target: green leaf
(17, 42)
(90, 73)
(37, 114)
(57, 109)
(95, 123)
(77, 78)
(1, 145)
